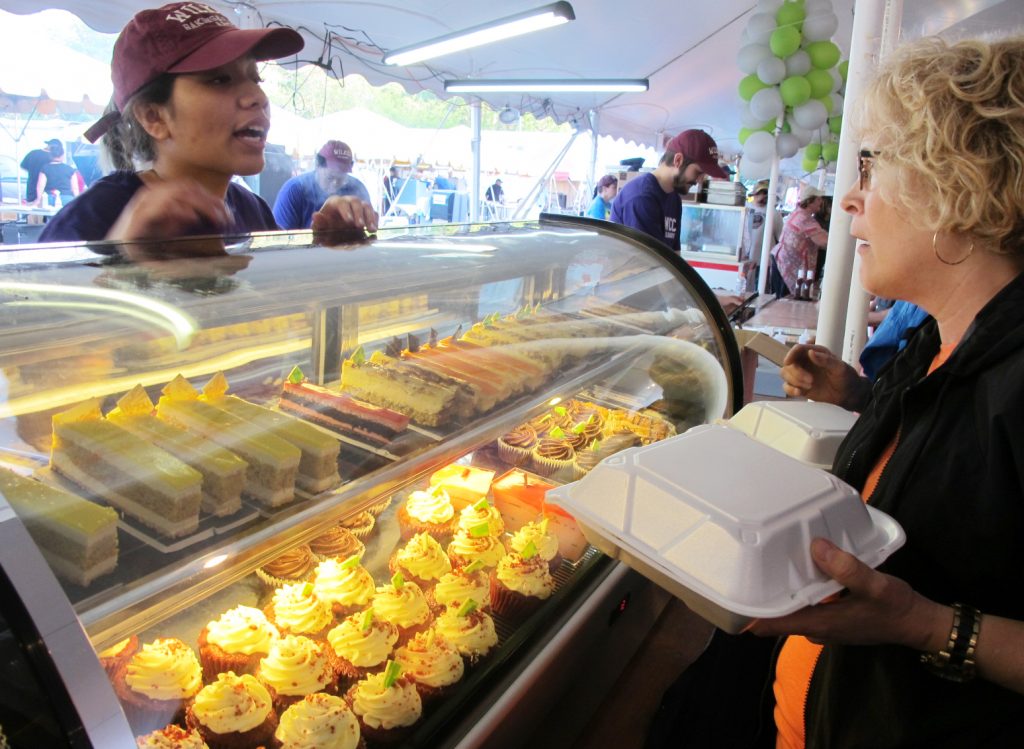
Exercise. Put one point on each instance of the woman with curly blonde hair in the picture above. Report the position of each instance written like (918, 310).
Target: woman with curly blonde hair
(928, 650)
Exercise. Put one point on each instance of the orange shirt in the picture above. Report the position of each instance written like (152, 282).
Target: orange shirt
(799, 655)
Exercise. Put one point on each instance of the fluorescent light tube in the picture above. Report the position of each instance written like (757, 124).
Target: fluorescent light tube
(520, 23)
(562, 85)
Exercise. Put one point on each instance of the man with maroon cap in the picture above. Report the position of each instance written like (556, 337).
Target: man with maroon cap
(651, 202)
(302, 196)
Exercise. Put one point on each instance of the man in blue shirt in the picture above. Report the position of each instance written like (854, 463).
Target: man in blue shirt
(651, 203)
(302, 196)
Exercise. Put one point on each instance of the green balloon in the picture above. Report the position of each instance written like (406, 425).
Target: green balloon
(830, 151)
(835, 124)
(821, 82)
(784, 41)
(744, 133)
(785, 126)
(844, 68)
(823, 54)
(809, 165)
(812, 151)
(795, 90)
(750, 85)
(790, 14)
(827, 101)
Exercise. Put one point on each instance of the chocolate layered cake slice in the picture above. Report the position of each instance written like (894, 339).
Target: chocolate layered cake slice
(77, 537)
(223, 472)
(139, 479)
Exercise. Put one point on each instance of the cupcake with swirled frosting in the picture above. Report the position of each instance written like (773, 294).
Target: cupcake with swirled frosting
(117, 654)
(421, 560)
(469, 629)
(479, 513)
(515, 447)
(297, 610)
(403, 604)
(387, 705)
(520, 583)
(458, 586)
(336, 543)
(319, 721)
(346, 586)
(427, 511)
(295, 565)
(362, 643)
(361, 524)
(433, 663)
(476, 546)
(297, 666)
(233, 712)
(553, 454)
(171, 737)
(544, 542)
(235, 642)
(157, 683)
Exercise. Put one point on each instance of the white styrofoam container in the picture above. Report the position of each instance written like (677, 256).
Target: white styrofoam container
(725, 522)
(805, 430)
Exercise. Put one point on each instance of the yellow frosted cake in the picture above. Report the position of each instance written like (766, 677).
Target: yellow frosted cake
(77, 537)
(318, 466)
(134, 476)
(273, 462)
(223, 471)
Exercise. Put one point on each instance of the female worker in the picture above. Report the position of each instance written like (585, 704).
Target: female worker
(928, 650)
(604, 194)
(802, 238)
(188, 104)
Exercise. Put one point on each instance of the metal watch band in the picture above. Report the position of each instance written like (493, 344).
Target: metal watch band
(956, 661)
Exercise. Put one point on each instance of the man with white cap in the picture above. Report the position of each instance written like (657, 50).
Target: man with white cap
(802, 238)
(753, 231)
(301, 196)
(651, 202)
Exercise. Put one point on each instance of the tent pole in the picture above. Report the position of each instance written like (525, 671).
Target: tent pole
(528, 200)
(474, 174)
(592, 174)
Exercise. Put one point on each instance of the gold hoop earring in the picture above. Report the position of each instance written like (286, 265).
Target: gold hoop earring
(935, 249)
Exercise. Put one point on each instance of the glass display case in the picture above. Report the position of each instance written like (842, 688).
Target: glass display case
(711, 240)
(198, 430)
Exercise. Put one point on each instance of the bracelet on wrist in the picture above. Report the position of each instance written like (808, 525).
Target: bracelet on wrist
(956, 661)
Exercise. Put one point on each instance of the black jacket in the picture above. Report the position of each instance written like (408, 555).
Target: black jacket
(956, 484)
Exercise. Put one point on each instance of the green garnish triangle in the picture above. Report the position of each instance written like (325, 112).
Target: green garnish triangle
(367, 620)
(557, 433)
(481, 530)
(391, 673)
(307, 590)
(561, 410)
(529, 551)
(295, 377)
(481, 504)
(467, 608)
(398, 580)
(358, 356)
(474, 567)
(578, 429)
(352, 561)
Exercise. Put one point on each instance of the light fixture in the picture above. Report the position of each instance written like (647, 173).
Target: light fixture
(557, 85)
(520, 23)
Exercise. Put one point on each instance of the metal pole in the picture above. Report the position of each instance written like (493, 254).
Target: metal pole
(474, 174)
(868, 21)
(769, 218)
(592, 174)
(525, 203)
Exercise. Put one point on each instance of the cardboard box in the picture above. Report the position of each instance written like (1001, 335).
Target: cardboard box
(771, 349)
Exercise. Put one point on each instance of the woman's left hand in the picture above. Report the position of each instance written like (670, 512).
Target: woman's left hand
(874, 609)
(345, 213)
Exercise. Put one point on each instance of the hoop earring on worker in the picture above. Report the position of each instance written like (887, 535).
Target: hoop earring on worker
(935, 249)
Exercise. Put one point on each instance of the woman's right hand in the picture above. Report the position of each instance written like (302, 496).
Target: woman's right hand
(814, 372)
(169, 208)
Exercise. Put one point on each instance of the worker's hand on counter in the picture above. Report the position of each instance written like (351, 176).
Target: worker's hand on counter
(345, 213)
(814, 372)
(874, 608)
(169, 208)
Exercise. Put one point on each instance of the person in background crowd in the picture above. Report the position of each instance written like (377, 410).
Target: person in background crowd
(495, 193)
(802, 238)
(753, 232)
(300, 196)
(604, 194)
(32, 163)
(390, 188)
(58, 183)
(651, 202)
(187, 101)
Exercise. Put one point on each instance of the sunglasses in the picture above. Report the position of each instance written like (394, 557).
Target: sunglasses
(865, 162)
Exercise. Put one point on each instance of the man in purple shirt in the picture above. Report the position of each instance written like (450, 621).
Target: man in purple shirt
(651, 203)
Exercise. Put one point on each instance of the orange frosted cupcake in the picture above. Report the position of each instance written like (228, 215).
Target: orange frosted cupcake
(470, 630)
(171, 737)
(433, 664)
(319, 721)
(362, 643)
(233, 712)
(296, 610)
(297, 666)
(235, 642)
(429, 511)
(361, 524)
(520, 583)
(336, 543)
(421, 560)
(293, 566)
(403, 604)
(387, 705)
(457, 587)
(157, 683)
(346, 586)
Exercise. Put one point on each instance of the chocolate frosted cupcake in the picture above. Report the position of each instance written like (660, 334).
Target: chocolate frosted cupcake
(157, 683)
(291, 567)
(587, 458)
(362, 644)
(516, 446)
(235, 642)
(587, 411)
(346, 586)
(297, 666)
(361, 524)
(319, 720)
(433, 664)
(118, 653)
(233, 712)
(387, 705)
(171, 737)
(429, 511)
(297, 610)
(337, 543)
(558, 416)
(422, 561)
(553, 455)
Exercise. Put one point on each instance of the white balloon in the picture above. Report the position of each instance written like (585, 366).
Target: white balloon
(810, 115)
(750, 169)
(837, 80)
(760, 27)
(747, 119)
(767, 103)
(819, 26)
(769, 6)
(759, 146)
(771, 70)
(750, 56)
(798, 63)
(787, 145)
(837, 104)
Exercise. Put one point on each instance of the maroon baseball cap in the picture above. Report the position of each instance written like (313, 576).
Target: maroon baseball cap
(700, 148)
(337, 153)
(184, 38)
